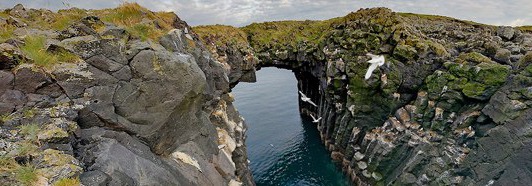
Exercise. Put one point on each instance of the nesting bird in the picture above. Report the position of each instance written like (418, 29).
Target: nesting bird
(307, 99)
(375, 61)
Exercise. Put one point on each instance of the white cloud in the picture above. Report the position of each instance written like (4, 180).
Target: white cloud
(518, 22)
(242, 12)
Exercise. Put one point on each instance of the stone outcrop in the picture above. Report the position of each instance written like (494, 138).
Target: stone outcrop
(125, 111)
(450, 107)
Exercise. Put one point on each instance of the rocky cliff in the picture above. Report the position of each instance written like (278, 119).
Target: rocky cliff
(451, 106)
(120, 96)
(127, 96)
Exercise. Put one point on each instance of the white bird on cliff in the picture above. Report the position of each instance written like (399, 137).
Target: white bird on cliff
(314, 119)
(376, 61)
(307, 99)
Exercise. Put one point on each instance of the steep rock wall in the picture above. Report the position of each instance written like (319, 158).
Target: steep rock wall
(450, 106)
(127, 110)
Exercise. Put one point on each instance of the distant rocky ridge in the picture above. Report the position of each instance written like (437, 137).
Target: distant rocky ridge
(451, 107)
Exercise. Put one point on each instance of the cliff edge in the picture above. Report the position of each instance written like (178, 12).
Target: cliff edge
(120, 96)
(451, 105)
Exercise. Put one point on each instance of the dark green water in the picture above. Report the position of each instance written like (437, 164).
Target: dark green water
(284, 149)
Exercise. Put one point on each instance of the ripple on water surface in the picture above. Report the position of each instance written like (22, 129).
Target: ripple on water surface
(284, 149)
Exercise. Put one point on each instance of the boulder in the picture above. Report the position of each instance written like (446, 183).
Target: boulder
(28, 79)
(19, 11)
(6, 81)
(10, 56)
(506, 32)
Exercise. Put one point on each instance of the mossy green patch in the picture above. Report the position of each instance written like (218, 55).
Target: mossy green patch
(479, 81)
(287, 34)
(473, 57)
(405, 52)
(67, 182)
(474, 90)
(491, 74)
(525, 60)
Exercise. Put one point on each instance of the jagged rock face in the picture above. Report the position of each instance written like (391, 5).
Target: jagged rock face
(451, 106)
(127, 112)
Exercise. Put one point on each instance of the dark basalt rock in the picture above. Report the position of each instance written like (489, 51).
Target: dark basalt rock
(10, 56)
(442, 111)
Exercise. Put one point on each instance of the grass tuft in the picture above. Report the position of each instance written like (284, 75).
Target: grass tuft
(30, 131)
(26, 175)
(7, 164)
(525, 28)
(6, 32)
(26, 148)
(144, 31)
(68, 182)
(6, 117)
(139, 21)
(35, 49)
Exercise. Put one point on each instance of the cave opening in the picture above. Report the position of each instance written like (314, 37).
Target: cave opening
(284, 145)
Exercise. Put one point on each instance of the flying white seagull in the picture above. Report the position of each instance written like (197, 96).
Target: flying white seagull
(376, 61)
(307, 99)
(315, 120)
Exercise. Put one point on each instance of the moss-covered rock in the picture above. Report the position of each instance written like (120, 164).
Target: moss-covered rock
(405, 52)
(473, 57)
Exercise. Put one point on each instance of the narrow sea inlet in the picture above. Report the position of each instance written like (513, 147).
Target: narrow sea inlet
(283, 147)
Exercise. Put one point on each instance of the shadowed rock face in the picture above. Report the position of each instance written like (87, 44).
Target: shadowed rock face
(451, 106)
(131, 111)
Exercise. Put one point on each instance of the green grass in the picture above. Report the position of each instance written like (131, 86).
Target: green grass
(30, 131)
(29, 113)
(35, 49)
(438, 18)
(4, 14)
(26, 175)
(144, 31)
(26, 148)
(221, 35)
(6, 32)
(132, 17)
(7, 164)
(287, 34)
(68, 182)
(65, 18)
(6, 117)
(525, 28)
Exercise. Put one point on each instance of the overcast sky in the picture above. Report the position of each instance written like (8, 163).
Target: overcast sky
(243, 12)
